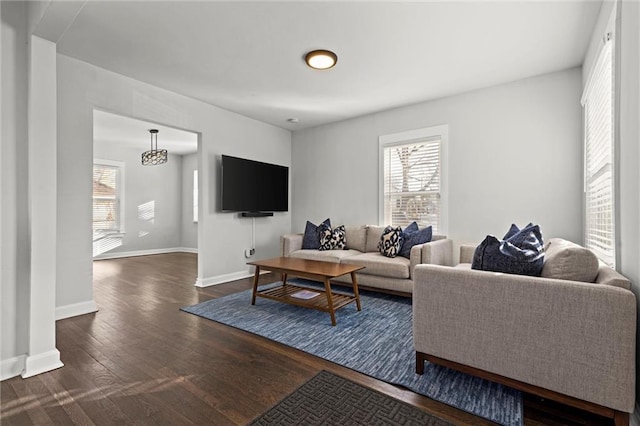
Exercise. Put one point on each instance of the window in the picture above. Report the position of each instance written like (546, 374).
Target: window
(195, 196)
(107, 199)
(412, 178)
(597, 102)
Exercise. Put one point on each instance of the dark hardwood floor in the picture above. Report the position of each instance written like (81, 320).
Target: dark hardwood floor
(140, 360)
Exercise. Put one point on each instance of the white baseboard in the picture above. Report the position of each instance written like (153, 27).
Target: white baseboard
(41, 363)
(12, 367)
(220, 279)
(187, 250)
(75, 309)
(119, 255)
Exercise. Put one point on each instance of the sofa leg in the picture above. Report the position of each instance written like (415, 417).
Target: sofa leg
(621, 418)
(420, 359)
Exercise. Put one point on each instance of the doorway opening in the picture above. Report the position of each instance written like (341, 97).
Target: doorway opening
(141, 209)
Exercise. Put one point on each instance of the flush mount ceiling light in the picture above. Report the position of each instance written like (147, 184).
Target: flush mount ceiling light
(154, 156)
(321, 59)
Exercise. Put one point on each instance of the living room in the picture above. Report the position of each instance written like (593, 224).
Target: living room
(514, 156)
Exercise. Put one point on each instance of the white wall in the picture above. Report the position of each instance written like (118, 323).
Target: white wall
(189, 237)
(152, 199)
(83, 87)
(42, 354)
(629, 145)
(514, 156)
(14, 283)
(629, 153)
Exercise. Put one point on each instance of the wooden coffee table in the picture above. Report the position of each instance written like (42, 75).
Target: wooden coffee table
(326, 301)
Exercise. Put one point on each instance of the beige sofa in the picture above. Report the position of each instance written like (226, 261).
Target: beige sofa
(562, 339)
(393, 275)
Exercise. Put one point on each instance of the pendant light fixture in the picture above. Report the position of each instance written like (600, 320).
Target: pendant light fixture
(154, 156)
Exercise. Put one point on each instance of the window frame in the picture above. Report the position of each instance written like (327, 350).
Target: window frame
(119, 190)
(440, 132)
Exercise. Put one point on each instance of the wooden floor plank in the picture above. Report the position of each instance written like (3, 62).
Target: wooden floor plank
(140, 360)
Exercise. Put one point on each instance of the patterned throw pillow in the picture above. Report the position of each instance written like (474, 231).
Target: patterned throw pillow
(390, 241)
(521, 253)
(333, 239)
(311, 238)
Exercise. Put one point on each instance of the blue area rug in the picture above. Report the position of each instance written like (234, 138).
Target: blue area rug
(377, 341)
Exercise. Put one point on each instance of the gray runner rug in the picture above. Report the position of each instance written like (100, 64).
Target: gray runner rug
(377, 341)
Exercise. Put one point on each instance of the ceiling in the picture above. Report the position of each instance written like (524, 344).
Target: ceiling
(127, 132)
(247, 57)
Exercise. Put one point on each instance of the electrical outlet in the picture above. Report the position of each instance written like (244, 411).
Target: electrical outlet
(249, 252)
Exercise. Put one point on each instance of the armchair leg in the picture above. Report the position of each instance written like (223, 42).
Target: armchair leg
(420, 359)
(621, 418)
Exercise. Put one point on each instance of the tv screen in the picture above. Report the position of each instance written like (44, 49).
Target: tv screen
(253, 186)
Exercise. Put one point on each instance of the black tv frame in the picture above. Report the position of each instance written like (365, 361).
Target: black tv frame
(258, 172)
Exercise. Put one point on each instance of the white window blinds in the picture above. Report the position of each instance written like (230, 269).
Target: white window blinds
(598, 104)
(412, 183)
(106, 199)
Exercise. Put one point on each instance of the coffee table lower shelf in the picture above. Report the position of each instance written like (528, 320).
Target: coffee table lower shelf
(314, 270)
(283, 293)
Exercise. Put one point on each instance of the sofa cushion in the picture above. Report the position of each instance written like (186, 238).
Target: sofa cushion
(463, 266)
(391, 241)
(568, 261)
(311, 238)
(333, 239)
(522, 253)
(609, 276)
(377, 264)
(335, 256)
(356, 238)
(374, 233)
(411, 239)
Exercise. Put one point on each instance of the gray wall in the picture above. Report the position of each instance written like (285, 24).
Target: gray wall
(222, 236)
(514, 156)
(189, 236)
(160, 185)
(14, 250)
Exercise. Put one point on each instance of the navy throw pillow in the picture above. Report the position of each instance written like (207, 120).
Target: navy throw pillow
(513, 230)
(311, 238)
(412, 227)
(414, 238)
(521, 253)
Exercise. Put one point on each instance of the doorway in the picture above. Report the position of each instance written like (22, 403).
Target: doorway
(142, 209)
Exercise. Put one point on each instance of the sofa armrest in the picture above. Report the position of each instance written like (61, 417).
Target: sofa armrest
(290, 243)
(574, 338)
(466, 253)
(438, 252)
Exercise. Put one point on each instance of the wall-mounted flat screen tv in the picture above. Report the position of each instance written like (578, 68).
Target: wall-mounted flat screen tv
(253, 186)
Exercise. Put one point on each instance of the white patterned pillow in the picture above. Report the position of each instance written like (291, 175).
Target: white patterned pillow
(333, 239)
(390, 241)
